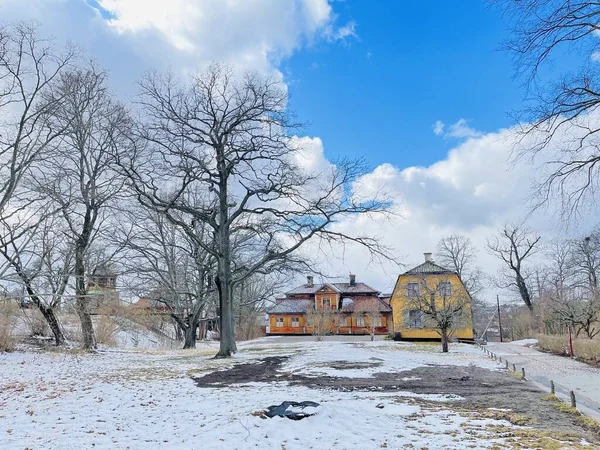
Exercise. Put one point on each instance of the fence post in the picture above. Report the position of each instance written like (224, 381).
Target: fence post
(523, 372)
(514, 368)
(552, 390)
(573, 402)
(506, 364)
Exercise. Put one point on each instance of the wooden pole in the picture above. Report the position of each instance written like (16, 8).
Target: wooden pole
(523, 372)
(499, 318)
(552, 389)
(573, 402)
(570, 341)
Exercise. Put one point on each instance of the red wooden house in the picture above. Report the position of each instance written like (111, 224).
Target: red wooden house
(351, 308)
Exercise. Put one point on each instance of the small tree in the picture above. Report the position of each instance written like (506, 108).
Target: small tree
(514, 246)
(321, 321)
(371, 315)
(445, 310)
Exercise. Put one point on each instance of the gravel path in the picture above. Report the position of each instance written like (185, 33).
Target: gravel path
(542, 367)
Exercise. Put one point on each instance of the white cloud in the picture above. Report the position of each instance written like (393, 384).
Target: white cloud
(461, 130)
(129, 36)
(342, 33)
(438, 128)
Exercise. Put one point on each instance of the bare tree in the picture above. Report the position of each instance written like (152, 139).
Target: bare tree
(457, 253)
(37, 258)
(442, 308)
(514, 246)
(230, 139)
(370, 314)
(29, 68)
(321, 321)
(79, 179)
(169, 268)
(561, 119)
(571, 276)
(251, 301)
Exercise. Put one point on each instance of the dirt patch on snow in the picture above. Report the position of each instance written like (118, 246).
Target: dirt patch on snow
(476, 389)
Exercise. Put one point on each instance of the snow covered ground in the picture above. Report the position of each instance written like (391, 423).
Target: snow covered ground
(148, 400)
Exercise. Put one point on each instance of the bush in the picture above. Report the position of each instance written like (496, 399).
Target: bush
(38, 326)
(106, 331)
(587, 349)
(557, 344)
(584, 349)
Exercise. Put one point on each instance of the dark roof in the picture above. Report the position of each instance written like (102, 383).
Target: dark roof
(428, 267)
(291, 306)
(344, 288)
(355, 288)
(364, 304)
(104, 270)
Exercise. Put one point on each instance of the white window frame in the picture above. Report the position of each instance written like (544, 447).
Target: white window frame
(279, 322)
(295, 322)
(323, 302)
(412, 290)
(445, 289)
(416, 321)
(360, 321)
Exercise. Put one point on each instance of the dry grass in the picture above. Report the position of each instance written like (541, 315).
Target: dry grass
(7, 325)
(586, 422)
(37, 324)
(106, 331)
(584, 349)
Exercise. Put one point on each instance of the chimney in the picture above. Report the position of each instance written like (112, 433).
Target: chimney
(309, 281)
(352, 280)
(428, 257)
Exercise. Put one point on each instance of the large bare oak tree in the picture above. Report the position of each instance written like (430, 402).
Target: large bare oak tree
(230, 139)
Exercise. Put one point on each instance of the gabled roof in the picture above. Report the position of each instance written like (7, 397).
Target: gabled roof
(428, 267)
(291, 306)
(330, 286)
(364, 304)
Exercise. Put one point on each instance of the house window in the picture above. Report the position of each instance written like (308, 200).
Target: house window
(326, 302)
(414, 319)
(377, 321)
(412, 289)
(445, 288)
(279, 322)
(295, 322)
(360, 321)
(348, 321)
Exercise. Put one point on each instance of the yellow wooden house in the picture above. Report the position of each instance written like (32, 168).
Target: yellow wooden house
(434, 286)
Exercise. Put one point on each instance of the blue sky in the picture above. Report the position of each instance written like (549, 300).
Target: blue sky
(411, 64)
(371, 78)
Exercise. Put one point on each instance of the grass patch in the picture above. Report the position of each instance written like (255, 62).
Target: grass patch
(586, 422)
(517, 375)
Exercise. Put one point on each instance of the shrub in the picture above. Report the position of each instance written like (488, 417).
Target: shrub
(587, 349)
(584, 349)
(106, 331)
(36, 322)
(557, 344)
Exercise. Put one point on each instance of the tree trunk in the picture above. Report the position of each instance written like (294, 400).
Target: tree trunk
(524, 291)
(81, 302)
(49, 316)
(444, 340)
(372, 334)
(48, 313)
(190, 336)
(227, 345)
